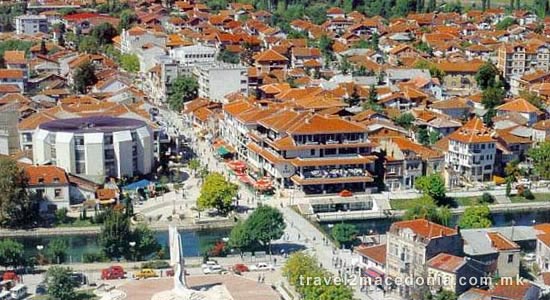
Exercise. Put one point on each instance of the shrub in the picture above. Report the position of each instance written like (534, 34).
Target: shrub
(61, 216)
(527, 194)
(487, 198)
(155, 264)
(92, 257)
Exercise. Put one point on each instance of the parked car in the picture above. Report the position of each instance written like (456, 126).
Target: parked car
(529, 257)
(240, 268)
(112, 272)
(146, 273)
(211, 267)
(261, 267)
(10, 275)
(79, 278)
(40, 289)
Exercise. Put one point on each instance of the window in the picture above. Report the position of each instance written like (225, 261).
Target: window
(58, 193)
(79, 141)
(510, 258)
(108, 139)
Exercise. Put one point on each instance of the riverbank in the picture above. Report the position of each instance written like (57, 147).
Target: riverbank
(94, 230)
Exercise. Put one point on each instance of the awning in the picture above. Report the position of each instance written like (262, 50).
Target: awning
(372, 273)
(263, 184)
(346, 193)
(107, 202)
(237, 165)
(223, 151)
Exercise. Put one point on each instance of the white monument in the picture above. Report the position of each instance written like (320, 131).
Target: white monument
(181, 291)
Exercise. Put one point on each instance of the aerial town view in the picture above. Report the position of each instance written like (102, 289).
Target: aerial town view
(275, 150)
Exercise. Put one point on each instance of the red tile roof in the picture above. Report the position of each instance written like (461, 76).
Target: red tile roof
(424, 228)
(376, 253)
(446, 262)
(473, 132)
(46, 175)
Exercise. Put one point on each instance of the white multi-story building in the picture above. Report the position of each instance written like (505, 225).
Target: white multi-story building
(133, 39)
(31, 24)
(471, 153)
(193, 55)
(95, 147)
(218, 79)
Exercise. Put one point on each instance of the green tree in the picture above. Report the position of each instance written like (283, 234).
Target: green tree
(127, 19)
(61, 216)
(59, 283)
(534, 99)
(478, 216)
(432, 185)
(146, 243)
(431, 67)
(488, 117)
(541, 159)
(423, 136)
(426, 208)
(264, 225)
(228, 57)
(11, 253)
(84, 76)
(194, 165)
(345, 234)
(129, 62)
(492, 97)
(88, 44)
(505, 23)
(487, 198)
(404, 120)
(104, 33)
(240, 238)
(115, 234)
(17, 207)
(217, 192)
(57, 250)
(487, 75)
(183, 89)
(512, 170)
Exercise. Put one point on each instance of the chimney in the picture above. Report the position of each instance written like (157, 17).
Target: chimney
(457, 228)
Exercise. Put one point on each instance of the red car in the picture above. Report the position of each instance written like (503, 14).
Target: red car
(112, 272)
(10, 275)
(240, 268)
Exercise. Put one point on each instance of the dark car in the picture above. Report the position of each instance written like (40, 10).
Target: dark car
(41, 289)
(79, 278)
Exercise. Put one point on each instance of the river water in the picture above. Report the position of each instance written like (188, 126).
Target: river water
(194, 242)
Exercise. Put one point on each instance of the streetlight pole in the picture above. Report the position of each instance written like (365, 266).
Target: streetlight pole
(133, 250)
(40, 248)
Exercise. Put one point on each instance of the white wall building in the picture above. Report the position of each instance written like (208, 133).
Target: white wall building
(193, 55)
(137, 37)
(219, 79)
(95, 147)
(31, 24)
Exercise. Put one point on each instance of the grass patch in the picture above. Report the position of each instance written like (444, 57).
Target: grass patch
(77, 222)
(80, 295)
(404, 204)
(539, 197)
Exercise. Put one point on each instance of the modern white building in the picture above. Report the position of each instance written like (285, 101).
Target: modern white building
(471, 153)
(31, 24)
(133, 39)
(95, 147)
(193, 55)
(218, 79)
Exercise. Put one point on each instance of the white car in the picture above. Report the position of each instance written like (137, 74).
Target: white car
(261, 267)
(211, 267)
(529, 257)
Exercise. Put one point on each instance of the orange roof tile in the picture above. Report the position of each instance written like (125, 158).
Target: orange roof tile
(473, 132)
(376, 253)
(11, 74)
(446, 262)
(500, 242)
(424, 228)
(46, 175)
(519, 105)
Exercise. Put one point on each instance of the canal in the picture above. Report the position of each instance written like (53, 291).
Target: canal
(194, 242)
(380, 226)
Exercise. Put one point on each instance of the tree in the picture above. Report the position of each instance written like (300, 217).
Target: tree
(127, 19)
(194, 165)
(88, 44)
(104, 33)
(488, 117)
(240, 238)
(11, 253)
(432, 185)
(17, 207)
(426, 208)
(115, 234)
(431, 67)
(541, 159)
(512, 170)
(59, 283)
(264, 225)
(486, 76)
(129, 62)
(344, 234)
(61, 216)
(487, 198)
(228, 57)
(405, 120)
(478, 216)
(43, 48)
(505, 23)
(217, 192)
(354, 98)
(146, 243)
(183, 89)
(492, 97)
(57, 250)
(84, 76)
(422, 136)
(534, 99)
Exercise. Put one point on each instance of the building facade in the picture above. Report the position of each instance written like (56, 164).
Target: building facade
(31, 24)
(216, 80)
(95, 147)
